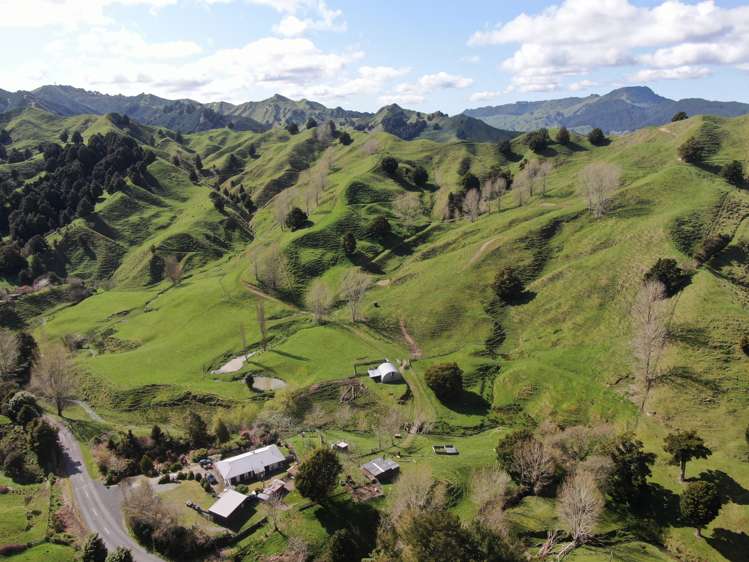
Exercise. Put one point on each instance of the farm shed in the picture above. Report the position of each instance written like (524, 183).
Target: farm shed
(386, 372)
(380, 469)
(253, 465)
(229, 503)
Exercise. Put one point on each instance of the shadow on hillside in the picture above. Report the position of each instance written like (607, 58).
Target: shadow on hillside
(704, 166)
(361, 260)
(728, 487)
(631, 209)
(547, 152)
(288, 355)
(575, 147)
(684, 377)
(470, 404)
(732, 545)
(524, 298)
(361, 519)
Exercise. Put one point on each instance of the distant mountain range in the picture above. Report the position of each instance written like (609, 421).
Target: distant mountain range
(625, 109)
(621, 110)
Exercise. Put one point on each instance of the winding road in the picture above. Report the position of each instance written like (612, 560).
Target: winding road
(100, 506)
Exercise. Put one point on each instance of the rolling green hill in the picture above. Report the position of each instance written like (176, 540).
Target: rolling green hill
(565, 357)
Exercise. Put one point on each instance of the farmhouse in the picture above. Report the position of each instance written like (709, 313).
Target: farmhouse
(386, 372)
(229, 503)
(253, 465)
(380, 469)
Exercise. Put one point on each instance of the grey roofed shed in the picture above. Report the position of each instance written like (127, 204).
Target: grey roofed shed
(381, 469)
(227, 504)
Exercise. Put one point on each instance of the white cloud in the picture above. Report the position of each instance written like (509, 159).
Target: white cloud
(65, 13)
(443, 81)
(676, 73)
(582, 85)
(577, 37)
(484, 95)
(326, 20)
(402, 99)
(107, 42)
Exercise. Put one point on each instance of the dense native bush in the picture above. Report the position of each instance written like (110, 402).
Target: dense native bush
(76, 177)
(667, 271)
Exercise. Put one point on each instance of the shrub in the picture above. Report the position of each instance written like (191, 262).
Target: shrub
(296, 219)
(538, 141)
(292, 128)
(733, 173)
(691, 151)
(420, 176)
(389, 165)
(465, 166)
(311, 123)
(505, 148)
(199, 477)
(241, 488)
(165, 479)
(711, 246)
(191, 475)
(445, 380)
(563, 136)
(507, 285)
(379, 227)
(181, 476)
(679, 116)
(345, 138)
(596, 137)
(348, 243)
(667, 271)
(700, 504)
(318, 474)
(470, 181)
(175, 467)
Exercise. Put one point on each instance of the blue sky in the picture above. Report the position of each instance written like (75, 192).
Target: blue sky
(427, 55)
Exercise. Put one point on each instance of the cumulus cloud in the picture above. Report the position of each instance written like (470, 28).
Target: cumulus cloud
(577, 37)
(676, 73)
(416, 92)
(65, 13)
(326, 19)
(484, 95)
(582, 85)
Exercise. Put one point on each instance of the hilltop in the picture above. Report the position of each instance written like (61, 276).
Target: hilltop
(621, 110)
(150, 348)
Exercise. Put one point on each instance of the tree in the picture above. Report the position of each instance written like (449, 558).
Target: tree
(282, 207)
(77, 138)
(691, 151)
(272, 509)
(628, 480)
(317, 476)
(667, 272)
(489, 490)
(445, 380)
(389, 165)
(469, 181)
(407, 207)
(218, 201)
(472, 203)
(146, 465)
(580, 506)
(296, 219)
(649, 336)
(379, 227)
(120, 554)
(684, 446)
(700, 503)
(292, 128)
(596, 137)
(348, 243)
(85, 207)
(538, 141)
(420, 176)
(437, 535)
(94, 549)
(173, 269)
(679, 116)
(532, 465)
(63, 139)
(319, 299)
(494, 188)
(197, 430)
(505, 149)
(311, 123)
(599, 181)
(53, 375)
(198, 162)
(22, 401)
(563, 136)
(345, 138)
(9, 353)
(507, 285)
(353, 288)
(341, 547)
(221, 431)
(733, 173)
(44, 441)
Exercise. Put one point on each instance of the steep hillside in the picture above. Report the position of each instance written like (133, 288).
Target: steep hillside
(408, 125)
(625, 109)
(559, 355)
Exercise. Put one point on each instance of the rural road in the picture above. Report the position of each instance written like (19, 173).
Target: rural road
(100, 507)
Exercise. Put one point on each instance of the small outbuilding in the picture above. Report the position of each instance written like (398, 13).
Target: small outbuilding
(381, 469)
(386, 373)
(277, 489)
(341, 446)
(229, 503)
(445, 449)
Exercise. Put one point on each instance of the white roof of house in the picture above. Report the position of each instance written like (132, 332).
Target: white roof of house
(228, 502)
(384, 369)
(252, 461)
